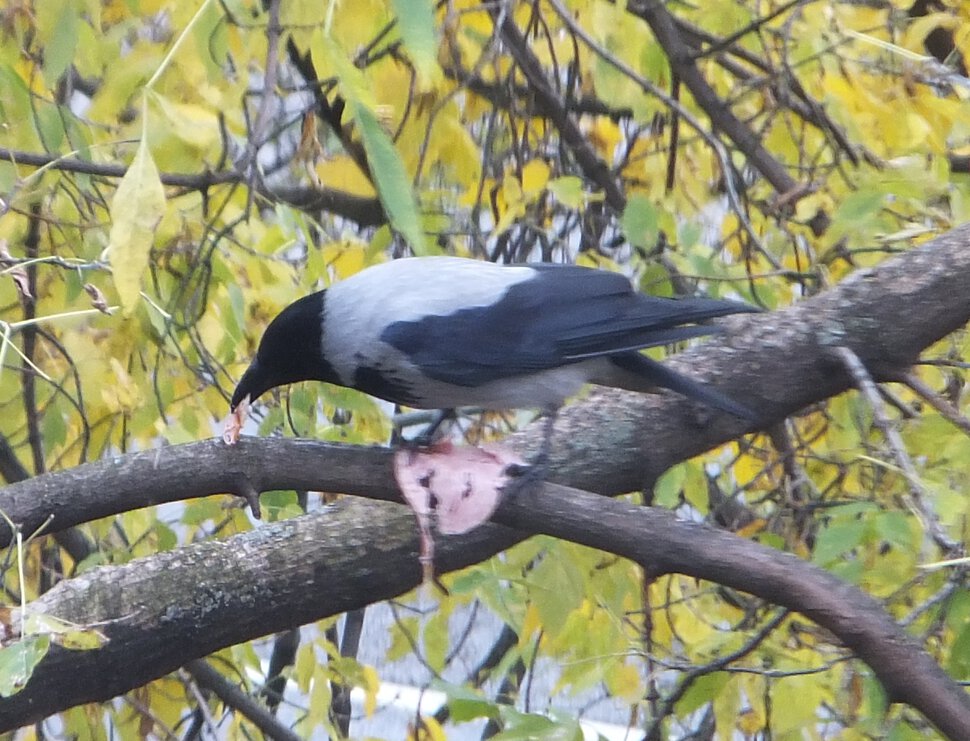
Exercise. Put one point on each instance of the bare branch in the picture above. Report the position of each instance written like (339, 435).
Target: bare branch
(612, 442)
(683, 62)
(162, 611)
(257, 136)
(656, 727)
(552, 105)
(947, 410)
(917, 494)
(206, 676)
(364, 211)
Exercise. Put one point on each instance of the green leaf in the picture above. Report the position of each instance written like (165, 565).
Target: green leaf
(959, 662)
(416, 22)
(465, 704)
(403, 634)
(469, 581)
(859, 205)
(702, 691)
(534, 727)
(65, 633)
(54, 427)
(640, 221)
(50, 125)
(15, 96)
(897, 529)
(57, 24)
(211, 36)
(568, 190)
(387, 169)
(391, 179)
(436, 640)
(666, 492)
(137, 207)
(836, 538)
(198, 511)
(18, 661)
(557, 589)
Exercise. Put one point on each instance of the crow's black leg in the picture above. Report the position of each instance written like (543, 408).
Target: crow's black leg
(535, 472)
(427, 436)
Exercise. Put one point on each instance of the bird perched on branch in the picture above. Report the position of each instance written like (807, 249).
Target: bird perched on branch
(444, 332)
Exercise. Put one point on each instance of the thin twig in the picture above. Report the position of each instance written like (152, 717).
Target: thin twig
(365, 211)
(661, 22)
(654, 731)
(868, 388)
(947, 410)
(201, 702)
(207, 677)
(270, 76)
(712, 141)
(956, 580)
(551, 104)
(728, 41)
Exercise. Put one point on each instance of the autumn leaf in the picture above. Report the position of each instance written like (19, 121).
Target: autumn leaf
(137, 207)
(18, 660)
(98, 301)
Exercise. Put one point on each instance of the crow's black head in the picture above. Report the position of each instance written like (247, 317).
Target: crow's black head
(289, 351)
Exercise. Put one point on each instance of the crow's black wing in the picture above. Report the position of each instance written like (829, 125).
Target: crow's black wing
(560, 315)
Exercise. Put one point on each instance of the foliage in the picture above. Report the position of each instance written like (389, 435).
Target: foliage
(200, 165)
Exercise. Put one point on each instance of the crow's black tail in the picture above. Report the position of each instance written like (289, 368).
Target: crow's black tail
(656, 374)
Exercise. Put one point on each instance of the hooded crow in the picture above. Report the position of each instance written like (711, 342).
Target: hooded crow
(444, 332)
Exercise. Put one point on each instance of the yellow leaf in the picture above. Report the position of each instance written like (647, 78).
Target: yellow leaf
(535, 175)
(428, 730)
(531, 624)
(623, 682)
(457, 150)
(137, 207)
(192, 124)
(752, 528)
(65, 633)
(341, 173)
(373, 684)
(920, 28)
(568, 190)
(605, 136)
(345, 257)
(306, 662)
(510, 202)
(123, 394)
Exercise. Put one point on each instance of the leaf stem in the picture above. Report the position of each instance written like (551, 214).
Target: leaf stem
(178, 43)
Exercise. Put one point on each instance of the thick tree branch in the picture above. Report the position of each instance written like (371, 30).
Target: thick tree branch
(167, 609)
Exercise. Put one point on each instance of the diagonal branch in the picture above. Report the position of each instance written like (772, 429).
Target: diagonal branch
(611, 442)
(208, 677)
